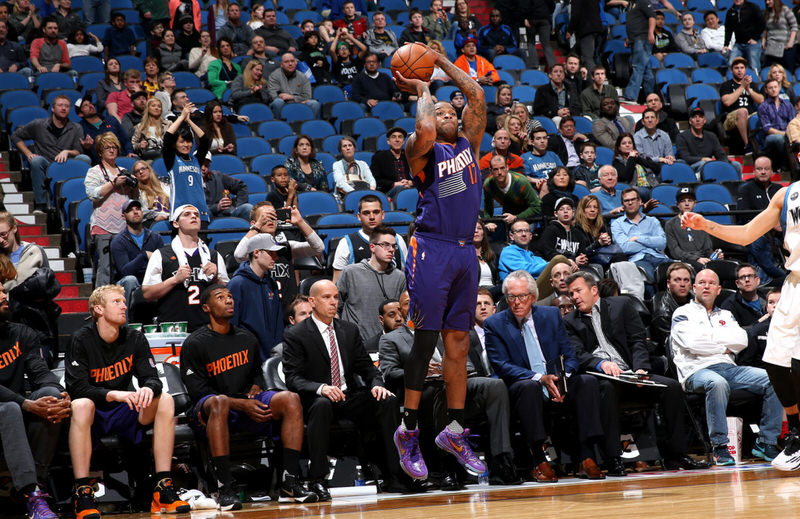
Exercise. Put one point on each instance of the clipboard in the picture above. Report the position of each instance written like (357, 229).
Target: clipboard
(630, 378)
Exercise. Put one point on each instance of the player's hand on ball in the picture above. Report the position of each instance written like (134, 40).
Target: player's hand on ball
(693, 221)
(411, 86)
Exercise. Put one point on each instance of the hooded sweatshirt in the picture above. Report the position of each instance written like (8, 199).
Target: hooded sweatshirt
(362, 289)
(20, 355)
(555, 239)
(257, 307)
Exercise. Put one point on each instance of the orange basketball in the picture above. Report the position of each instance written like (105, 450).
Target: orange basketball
(414, 61)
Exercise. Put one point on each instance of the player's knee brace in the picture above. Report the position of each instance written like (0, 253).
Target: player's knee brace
(783, 381)
(417, 363)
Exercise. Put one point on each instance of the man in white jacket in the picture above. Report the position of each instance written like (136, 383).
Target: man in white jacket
(705, 339)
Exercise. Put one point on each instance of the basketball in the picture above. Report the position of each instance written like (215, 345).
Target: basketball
(414, 61)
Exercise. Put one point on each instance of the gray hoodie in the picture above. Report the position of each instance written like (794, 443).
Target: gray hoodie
(362, 289)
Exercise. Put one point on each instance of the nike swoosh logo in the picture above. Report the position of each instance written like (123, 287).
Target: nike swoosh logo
(458, 448)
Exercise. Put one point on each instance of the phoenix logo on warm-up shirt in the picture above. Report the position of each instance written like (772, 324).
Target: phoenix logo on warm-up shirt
(113, 371)
(234, 360)
(8, 357)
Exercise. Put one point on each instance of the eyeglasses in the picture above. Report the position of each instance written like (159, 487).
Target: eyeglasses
(521, 231)
(745, 277)
(630, 200)
(112, 147)
(141, 170)
(387, 245)
(520, 298)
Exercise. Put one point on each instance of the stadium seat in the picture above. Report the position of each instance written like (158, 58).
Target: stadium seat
(263, 164)
(523, 93)
(286, 145)
(666, 77)
(316, 202)
(710, 206)
(274, 130)
(82, 64)
(509, 62)
(712, 60)
(126, 162)
(716, 193)
(228, 164)
(25, 114)
(348, 221)
(159, 168)
(547, 123)
(486, 143)
(129, 62)
(345, 111)
(80, 222)
(68, 191)
(665, 194)
(52, 81)
(719, 171)
(296, 112)
(406, 200)
(583, 125)
(678, 60)
(489, 91)
(238, 228)
(677, 173)
(186, 80)
(57, 172)
(700, 5)
(662, 212)
(328, 94)
(255, 184)
(14, 81)
(387, 110)
(407, 123)
(707, 75)
(369, 127)
(327, 160)
(506, 77)
(200, 96)
(241, 130)
(72, 94)
(580, 191)
(366, 156)
(317, 129)
(248, 147)
(331, 145)
(314, 16)
(257, 112)
(88, 81)
(11, 99)
(398, 220)
(605, 156)
(698, 92)
(534, 78)
(351, 200)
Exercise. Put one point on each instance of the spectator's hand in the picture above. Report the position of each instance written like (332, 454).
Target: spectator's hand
(62, 156)
(616, 211)
(254, 391)
(563, 112)
(582, 259)
(573, 265)
(372, 102)
(87, 142)
(527, 23)
(434, 369)
(381, 393)
(580, 136)
(292, 186)
(257, 410)
(286, 97)
(243, 118)
(255, 89)
(584, 72)
(149, 15)
(143, 144)
(266, 217)
(491, 227)
(296, 217)
(161, 217)
(650, 204)
(150, 253)
(229, 147)
(707, 159)
(703, 261)
(42, 69)
(132, 156)
(610, 368)
(509, 218)
(651, 38)
(56, 67)
(332, 393)
(183, 274)
(272, 48)
(633, 238)
(224, 203)
(549, 381)
(188, 108)
(210, 269)
(604, 239)
(499, 49)
(485, 80)
(668, 159)
(746, 81)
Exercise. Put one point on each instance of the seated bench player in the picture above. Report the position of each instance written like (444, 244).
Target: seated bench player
(102, 360)
(221, 367)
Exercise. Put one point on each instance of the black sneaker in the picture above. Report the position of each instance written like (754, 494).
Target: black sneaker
(292, 491)
(165, 499)
(84, 504)
(228, 499)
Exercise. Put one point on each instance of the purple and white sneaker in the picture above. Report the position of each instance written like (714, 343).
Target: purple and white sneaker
(38, 507)
(458, 446)
(407, 443)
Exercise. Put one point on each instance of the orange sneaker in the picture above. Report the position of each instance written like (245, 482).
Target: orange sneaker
(84, 503)
(165, 499)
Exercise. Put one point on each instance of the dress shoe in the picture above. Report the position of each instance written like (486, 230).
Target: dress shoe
(449, 482)
(319, 488)
(502, 471)
(544, 473)
(684, 462)
(616, 468)
(590, 470)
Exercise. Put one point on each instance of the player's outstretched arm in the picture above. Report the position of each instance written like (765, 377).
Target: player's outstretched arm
(740, 234)
(474, 115)
(421, 141)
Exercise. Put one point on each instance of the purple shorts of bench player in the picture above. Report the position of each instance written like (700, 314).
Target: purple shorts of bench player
(238, 422)
(442, 275)
(117, 418)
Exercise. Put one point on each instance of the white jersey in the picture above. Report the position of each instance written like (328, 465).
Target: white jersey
(790, 221)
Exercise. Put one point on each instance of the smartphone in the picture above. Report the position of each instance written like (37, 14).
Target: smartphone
(283, 215)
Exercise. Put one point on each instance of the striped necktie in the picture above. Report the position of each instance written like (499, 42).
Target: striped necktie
(336, 377)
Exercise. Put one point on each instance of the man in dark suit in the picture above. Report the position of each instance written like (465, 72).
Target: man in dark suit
(484, 309)
(486, 397)
(321, 359)
(526, 345)
(391, 318)
(621, 347)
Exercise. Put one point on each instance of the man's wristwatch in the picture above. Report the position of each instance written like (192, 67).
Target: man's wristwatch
(254, 228)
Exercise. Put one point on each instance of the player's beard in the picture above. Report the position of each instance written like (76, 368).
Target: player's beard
(447, 133)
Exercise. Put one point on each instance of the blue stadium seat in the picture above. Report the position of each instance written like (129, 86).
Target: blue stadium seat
(678, 60)
(274, 129)
(70, 190)
(82, 64)
(707, 75)
(369, 127)
(662, 212)
(327, 160)
(88, 81)
(129, 62)
(248, 147)
(509, 62)
(317, 129)
(407, 123)
(715, 192)
(505, 77)
(14, 81)
(677, 173)
(328, 94)
(351, 200)
(263, 164)
(25, 114)
(489, 91)
(331, 144)
(53, 80)
(406, 200)
(228, 164)
(316, 202)
(712, 60)
(11, 99)
(349, 222)
(398, 220)
(80, 222)
(241, 130)
(387, 110)
(200, 96)
(70, 169)
(486, 143)
(523, 93)
(255, 184)
(699, 92)
(226, 222)
(719, 171)
(296, 112)
(710, 206)
(580, 191)
(347, 110)
(605, 156)
(665, 77)
(547, 123)
(73, 96)
(443, 92)
(700, 5)
(293, 30)
(534, 78)
(583, 125)
(314, 16)
(665, 194)
(159, 167)
(366, 156)
(292, 5)
(286, 144)
(257, 112)
(126, 163)
(186, 80)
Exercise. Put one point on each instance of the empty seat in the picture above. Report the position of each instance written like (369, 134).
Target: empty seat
(228, 164)
(316, 202)
(677, 173)
(248, 147)
(255, 184)
(263, 164)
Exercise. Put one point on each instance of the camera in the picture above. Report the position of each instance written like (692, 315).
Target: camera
(130, 180)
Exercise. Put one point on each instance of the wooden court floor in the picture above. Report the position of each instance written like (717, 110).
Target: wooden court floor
(751, 491)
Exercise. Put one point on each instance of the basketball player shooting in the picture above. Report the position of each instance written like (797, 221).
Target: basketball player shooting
(442, 269)
(782, 354)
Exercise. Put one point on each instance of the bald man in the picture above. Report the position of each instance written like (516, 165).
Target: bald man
(705, 340)
(328, 388)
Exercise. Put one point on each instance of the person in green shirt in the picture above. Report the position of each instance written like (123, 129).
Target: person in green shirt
(513, 191)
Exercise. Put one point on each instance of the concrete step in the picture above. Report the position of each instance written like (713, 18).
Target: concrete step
(62, 264)
(73, 305)
(66, 278)
(26, 230)
(17, 198)
(75, 291)
(51, 240)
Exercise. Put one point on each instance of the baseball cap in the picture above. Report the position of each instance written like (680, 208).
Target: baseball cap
(738, 60)
(262, 241)
(129, 202)
(469, 40)
(696, 111)
(395, 129)
(455, 93)
(565, 200)
(685, 192)
(138, 94)
(180, 209)
(79, 102)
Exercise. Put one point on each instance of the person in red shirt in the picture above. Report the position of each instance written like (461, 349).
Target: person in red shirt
(476, 67)
(500, 146)
(119, 103)
(48, 53)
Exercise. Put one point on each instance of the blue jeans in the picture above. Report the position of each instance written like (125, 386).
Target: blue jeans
(277, 105)
(242, 211)
(649, 264)
(39, 172)
(97, 11)
(773, 147)
(129, 284)
(759, 253)
(749, 51)
(716, 382)
(642, 74)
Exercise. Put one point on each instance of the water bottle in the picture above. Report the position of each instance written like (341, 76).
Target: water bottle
(483, 479)
(359, 480)
(715, 255)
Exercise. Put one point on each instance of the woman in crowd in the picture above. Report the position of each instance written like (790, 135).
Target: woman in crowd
(250, 86)
(153, 194)
(108, 189)
(112, 82)
(589, 218)
(256, 16)
(350, 174)
(305, 168)
(519, 137)
(201, 57)
(219, 12)
(502, 105)
(487, 262)
(633, 168)
(25, 257)
(218, 129)
(521, 111)
(780, 35)
(25, 20)
(148, 136)
(461, 13)
(150, 83)
(559, 185)
(79, 45)
(169, 53)
(438, 78)
(778, 73)
(223, 71)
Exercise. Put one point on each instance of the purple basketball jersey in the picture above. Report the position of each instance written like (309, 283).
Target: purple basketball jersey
(450, 189)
